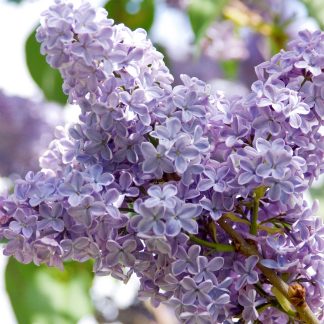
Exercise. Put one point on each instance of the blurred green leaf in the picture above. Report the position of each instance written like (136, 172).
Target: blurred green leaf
(230, 69)
(43, 295)
(133, 13)
(315, 9)
(202, 13)
(317, 192)
(48, 79)
(15, 1)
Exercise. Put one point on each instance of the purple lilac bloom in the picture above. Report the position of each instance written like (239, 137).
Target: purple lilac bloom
(141, 182)
(151, 219)
(122, 254)
(187, 261)
(23, 224)
(196, 292)
(164, 196)
(247, 300)
(52, 217)
(246, 271)
(181, 216)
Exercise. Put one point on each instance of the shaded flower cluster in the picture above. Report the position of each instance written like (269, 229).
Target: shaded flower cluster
(24, 133)
(141, 182)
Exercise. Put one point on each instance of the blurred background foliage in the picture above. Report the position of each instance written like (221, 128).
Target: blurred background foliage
(227, 39)
(134, 14)
(46, 295)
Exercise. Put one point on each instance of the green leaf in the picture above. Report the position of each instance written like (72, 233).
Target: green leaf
(317, 192)
(202, 13)
(43, 295)
(230, 69)
(315, 9)
(15, 1)
(133, 13)
(48, 79)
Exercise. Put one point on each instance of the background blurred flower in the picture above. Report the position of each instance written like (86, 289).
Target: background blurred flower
(26, 128)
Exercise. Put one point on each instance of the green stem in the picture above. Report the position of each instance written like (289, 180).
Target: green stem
(269, 220)
(128, 210)
(261, 292)
(263, 307)
(215, 246)
(272, 301)
(304, 81)
(254, 218)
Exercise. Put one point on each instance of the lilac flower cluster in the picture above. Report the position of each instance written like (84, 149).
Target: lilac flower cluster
(24, 133)
(142, 182)
(222, 43)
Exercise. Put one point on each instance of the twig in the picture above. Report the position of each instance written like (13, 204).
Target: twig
(303, 310)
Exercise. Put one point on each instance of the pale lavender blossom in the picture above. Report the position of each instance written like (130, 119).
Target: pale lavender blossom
(294, 109)
(247, 300)
(215, 205)
(52, 217)
(194, 316)
(86, 210)
(208, 267)
(98, 178)
(168, 132)
(187, 261)
(282, 263)
(275, 97)
(181, 152)
(246, 271)
(196, 292)
(161, 196)
(125, 185)
(121, 253)
(190, 105)
(75, 189)
(155, 160)
(181, 216)
(218, 305)
(151, 219)
(249, 172)
(23, 224)
(215, 179)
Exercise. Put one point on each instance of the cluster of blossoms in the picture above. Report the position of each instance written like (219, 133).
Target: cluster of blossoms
(24, 133)
(145, 180)
(229, 46)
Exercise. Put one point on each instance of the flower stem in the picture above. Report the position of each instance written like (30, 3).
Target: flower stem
(303, 310)
(128, 210)
(254, 218)
(215, 246)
